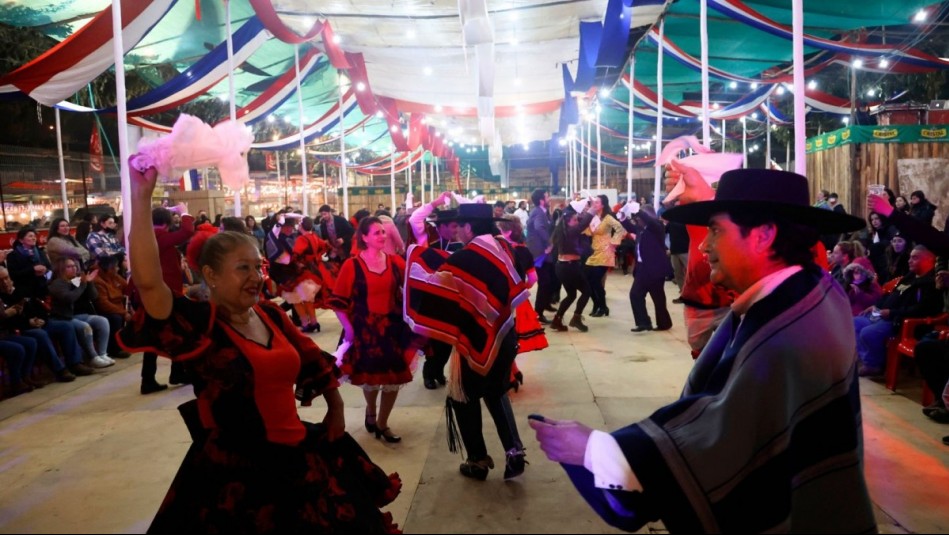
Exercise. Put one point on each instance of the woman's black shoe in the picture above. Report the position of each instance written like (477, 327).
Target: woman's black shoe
(597, 313)
(388, 435)
(150, 387)
(371, 423)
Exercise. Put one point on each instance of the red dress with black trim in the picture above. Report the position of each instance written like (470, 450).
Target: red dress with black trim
(530, 333)
(308, 251)
(382, 352)
(254, 466)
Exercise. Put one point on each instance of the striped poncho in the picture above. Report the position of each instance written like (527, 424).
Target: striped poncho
(466, 299)
(766, 436)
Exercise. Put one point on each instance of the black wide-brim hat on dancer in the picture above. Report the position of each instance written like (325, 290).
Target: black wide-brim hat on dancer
(475, 211)
(764, 190)
(442, 216)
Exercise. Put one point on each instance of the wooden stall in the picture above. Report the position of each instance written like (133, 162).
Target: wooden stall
(904, 158)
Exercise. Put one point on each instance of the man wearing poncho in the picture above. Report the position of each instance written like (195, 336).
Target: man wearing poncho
(766, 436)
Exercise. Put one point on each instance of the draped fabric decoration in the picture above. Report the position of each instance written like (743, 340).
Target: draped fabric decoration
(67, 67)
(616, 160)
(203, 75)
(206, 73)
(322, 126)
(740, 11)
(817, 63)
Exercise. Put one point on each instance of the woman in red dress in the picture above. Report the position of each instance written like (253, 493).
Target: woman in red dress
(254, 466)
(367, 299)
(315, 281)
(530, 333)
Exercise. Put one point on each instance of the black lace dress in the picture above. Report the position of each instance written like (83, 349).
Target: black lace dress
(254, 466)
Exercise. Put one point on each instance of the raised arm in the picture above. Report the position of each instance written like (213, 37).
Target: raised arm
(143, 248)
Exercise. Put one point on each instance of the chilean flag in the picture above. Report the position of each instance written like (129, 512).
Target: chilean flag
(190, 180)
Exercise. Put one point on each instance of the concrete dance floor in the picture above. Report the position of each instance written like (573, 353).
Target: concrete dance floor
(96, 456)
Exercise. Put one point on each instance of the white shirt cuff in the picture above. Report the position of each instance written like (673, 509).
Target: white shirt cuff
(610, 469)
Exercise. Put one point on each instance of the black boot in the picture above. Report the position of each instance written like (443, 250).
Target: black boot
(557, 324)
(597, 312)
(428, 375)
(577, 323)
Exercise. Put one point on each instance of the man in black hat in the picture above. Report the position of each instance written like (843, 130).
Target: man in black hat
(337, 232)
(468, 301)
(446, 229)
(767, 433)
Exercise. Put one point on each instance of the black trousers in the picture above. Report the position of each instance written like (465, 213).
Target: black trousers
(116, 322)
(434, 366)
(571, 276)
(655, 287)
(546, 285)
(492, 388)
(594, 275)
(150, 367)
(932, 357)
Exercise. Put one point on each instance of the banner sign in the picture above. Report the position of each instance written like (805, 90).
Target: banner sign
(901, 133)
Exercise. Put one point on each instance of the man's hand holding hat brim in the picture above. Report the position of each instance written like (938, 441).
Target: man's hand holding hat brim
(765, 191)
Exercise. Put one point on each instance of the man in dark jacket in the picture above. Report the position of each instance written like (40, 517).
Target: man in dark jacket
(652, 268)
(337, 232)
(539, 229)
(915, 297)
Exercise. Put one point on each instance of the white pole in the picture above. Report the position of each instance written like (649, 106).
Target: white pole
(326, 189)
(800, 132)
(408, 174)
(589, 168)
(577, 165)
(629, 137)
(62, 167)
(392, 183)
(118, 48)
(599, 147)
(744, 143)
(723, 135)
(658, 179)
(703, 32)
(277, 157)
(423, 177)
(767, 126)
(306, 192)
(230, 90)
(343, 178)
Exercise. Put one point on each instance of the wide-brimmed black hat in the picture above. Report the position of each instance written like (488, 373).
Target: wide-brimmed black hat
(442, 216)
(475, 211)
(768, 191)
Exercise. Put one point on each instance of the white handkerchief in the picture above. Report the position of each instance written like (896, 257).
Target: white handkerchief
(341, 351)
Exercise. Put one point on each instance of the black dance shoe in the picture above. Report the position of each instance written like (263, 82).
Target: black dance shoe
(514, 464)
(388, 435)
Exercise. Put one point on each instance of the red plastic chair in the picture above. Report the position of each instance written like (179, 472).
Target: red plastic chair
(905, 344)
